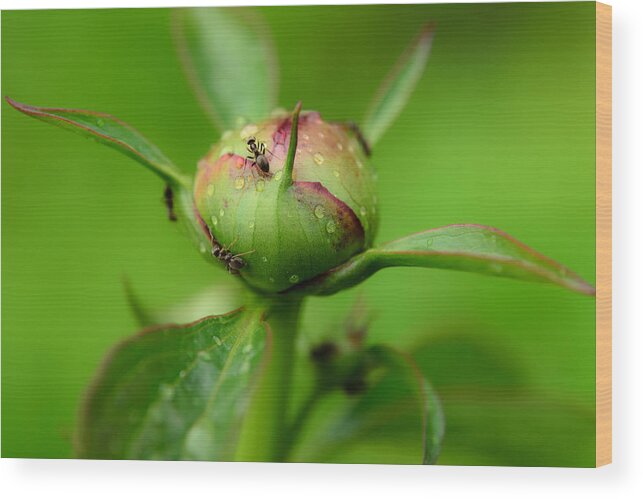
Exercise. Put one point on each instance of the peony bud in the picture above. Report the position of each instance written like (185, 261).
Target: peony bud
(285, 230)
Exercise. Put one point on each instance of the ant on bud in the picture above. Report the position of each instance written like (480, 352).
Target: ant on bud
(234, 263)
(258, 151)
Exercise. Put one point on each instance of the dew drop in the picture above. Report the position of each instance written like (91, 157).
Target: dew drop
(215, 220)
(336, 173)
(217, 340)
(245, 367)
(351, 148)
(496, 267)
(204, 355)
(360, 165)
(251, 224)
(429, 242)
(362, 211)
(278, 175)
(319, 158)
(264, 259)
(247, 348)
(340, 146)
(331, 227)
(320, 211)
(261, 185)
(294, 278)
(226, 135)
(221, 212)
(305, 136)
(202, 248)
(239, 182)
(100, 122)
(210, 189)
(183, 374)
(271, 279)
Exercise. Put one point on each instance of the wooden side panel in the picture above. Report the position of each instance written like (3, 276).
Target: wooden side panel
(603, 234)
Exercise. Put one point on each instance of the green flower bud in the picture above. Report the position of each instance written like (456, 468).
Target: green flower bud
(287, 231)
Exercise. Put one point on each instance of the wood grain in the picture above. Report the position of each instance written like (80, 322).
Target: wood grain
(603, 234)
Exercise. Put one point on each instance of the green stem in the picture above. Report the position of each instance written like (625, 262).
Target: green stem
(300, 419)
(264, 435)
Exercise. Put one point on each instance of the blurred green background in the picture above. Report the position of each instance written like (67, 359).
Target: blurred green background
(500, 131)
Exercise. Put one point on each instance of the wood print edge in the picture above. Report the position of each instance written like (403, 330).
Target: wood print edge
(603, 234)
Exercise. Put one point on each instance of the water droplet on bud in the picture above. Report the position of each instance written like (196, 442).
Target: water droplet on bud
(336, 173)
(261, 185)
(100, 122)
(215, 220)
(239, 183)
(278, 175)
(320, 211)
(340, 146)
(331, 227)
(217, 340)
(319, 158)
(362, 211)
(221, 212)
(294, 278)
(210, 189)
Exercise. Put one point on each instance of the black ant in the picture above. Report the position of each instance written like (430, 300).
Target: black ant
(234, 263)
(168, 198)
(258, 151)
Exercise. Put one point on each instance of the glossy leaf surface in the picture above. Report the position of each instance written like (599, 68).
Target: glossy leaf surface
(175, 392)
(471, 248)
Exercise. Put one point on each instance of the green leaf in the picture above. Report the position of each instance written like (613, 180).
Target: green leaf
(472, 248)
(176, 392)
(395, 91)
(112, 132)
(396, 389)
(228, 57)
(108, 130)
